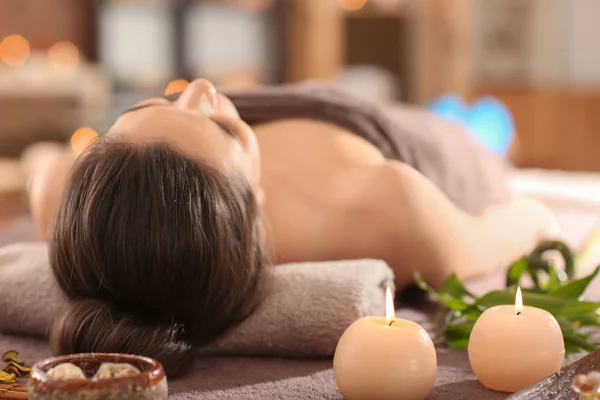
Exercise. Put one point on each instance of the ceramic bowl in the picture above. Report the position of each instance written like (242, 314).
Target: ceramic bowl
(150, 384)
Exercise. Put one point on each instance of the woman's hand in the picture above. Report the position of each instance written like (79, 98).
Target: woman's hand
(541, 216)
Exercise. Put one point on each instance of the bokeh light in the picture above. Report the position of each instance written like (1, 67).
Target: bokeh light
(63, 55)
(176, 86)
(14, 50)
(352, 5)
(82, 138)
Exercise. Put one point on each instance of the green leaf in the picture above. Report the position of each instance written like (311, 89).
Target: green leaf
(554, 281)
(441, 317)
(472, 313)
(575, 342)
(497, 298)
(557, 306)
(516, 271)
(531, 290)
(573, 309)
(571, 348)
(452, 303)
(457, 335)
(455, 288)
(590, 319)
(453, 285)
(423, 285)
(576, 288)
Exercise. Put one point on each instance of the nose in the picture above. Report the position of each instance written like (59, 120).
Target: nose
(200, 95)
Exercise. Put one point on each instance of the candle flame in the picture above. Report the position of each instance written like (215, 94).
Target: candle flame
(519, 301)
(390, 310)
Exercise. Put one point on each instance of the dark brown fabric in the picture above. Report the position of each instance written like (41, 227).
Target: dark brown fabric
(469, 175)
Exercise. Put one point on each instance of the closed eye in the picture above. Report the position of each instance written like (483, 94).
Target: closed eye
(227, 128)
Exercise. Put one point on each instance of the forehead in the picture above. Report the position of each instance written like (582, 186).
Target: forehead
(190, 132)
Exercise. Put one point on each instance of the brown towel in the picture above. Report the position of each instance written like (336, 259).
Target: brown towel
(306, 311)
(470, 176)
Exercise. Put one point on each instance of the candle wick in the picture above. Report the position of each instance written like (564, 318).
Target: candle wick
(390, 324)
(519, 313)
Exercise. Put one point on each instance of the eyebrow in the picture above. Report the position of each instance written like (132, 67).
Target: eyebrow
(171, 98)
(132, 109)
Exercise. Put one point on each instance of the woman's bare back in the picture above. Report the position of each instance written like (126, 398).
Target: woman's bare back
(332, 195)
(313, 175)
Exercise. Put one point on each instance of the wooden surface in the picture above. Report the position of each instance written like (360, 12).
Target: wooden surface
(441, 48)
(315, 42)
(438, 42)
(558, 128)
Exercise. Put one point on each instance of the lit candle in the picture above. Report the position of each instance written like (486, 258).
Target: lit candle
(513, 347)
(380, 358)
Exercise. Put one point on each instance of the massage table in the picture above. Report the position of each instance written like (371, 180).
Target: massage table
(575, 199)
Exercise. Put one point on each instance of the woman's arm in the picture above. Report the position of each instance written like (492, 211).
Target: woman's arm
(45, 190)
(435, 238)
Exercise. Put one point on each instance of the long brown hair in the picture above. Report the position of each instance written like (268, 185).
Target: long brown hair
(157, 253)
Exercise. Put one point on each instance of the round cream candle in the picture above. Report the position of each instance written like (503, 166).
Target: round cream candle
(380, 358)
(514, 347)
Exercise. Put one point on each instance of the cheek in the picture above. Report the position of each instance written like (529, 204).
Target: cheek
(246, 136)
(250, 145)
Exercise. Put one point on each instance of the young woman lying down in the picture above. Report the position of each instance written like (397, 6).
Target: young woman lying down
(163, 231)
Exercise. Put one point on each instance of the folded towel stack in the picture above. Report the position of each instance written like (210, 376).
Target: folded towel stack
(305, 313)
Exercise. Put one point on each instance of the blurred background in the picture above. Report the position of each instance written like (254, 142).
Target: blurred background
(69, 67)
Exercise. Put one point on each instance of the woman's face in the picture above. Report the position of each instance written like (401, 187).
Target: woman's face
(202, 123)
